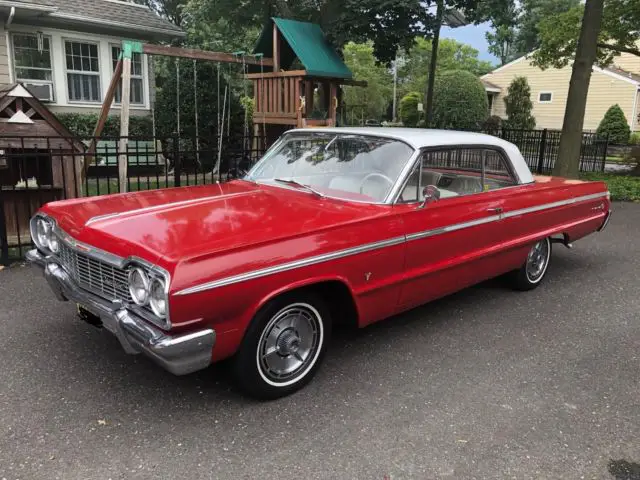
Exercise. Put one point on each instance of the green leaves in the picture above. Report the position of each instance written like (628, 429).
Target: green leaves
(518, 105)
(370, 102)
(619, 33)
(459, 101)
(409, 113)
(614, 124)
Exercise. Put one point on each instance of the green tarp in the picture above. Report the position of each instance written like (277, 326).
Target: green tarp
(306, 42)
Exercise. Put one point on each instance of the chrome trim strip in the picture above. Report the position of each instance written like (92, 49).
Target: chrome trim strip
(453, 228)
(163, 206)
(561, 203)
(292, 265)
(378, 245)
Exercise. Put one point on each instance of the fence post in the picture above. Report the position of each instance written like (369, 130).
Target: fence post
(606, 150)
(543, 148)
(177, 167)
(4, 241)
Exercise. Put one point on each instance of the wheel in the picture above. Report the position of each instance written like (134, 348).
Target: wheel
(283, 346)
(535, 267)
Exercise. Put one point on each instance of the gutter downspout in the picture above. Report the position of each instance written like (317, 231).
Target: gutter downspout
(11, 15)
(634, 115)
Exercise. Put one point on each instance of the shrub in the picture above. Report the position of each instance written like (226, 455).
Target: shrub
(615, 125)
(625, 188)
(459, 101)
(634, 139)
(518, 105)
(493, 123)
(409, 113)
(83, 124)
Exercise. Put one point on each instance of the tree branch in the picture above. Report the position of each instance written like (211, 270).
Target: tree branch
(616, 48)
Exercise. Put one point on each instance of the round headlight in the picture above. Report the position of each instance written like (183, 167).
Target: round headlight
(53, 242)
(158, 297)
(43, 227)
(139, 286)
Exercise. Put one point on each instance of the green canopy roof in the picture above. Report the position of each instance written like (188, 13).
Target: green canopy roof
(307, 42)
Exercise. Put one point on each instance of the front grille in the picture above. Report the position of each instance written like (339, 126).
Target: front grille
(98, 277)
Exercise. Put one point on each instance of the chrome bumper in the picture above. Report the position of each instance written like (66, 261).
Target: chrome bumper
(180, 354)
(606, 221)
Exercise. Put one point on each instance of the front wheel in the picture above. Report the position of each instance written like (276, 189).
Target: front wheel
(284, 346)
(535, 267)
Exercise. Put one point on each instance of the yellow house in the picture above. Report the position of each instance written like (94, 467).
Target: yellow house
(619, 83)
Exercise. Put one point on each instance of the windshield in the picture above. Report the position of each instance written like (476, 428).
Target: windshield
(350, 167)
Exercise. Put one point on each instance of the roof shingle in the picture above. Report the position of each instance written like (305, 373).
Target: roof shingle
(112, 12)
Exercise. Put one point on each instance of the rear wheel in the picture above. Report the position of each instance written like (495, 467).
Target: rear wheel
(530, 275)
(284, 346)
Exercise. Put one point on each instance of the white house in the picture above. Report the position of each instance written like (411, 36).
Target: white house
(65, 51)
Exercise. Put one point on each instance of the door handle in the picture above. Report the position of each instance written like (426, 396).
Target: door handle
(495, 210)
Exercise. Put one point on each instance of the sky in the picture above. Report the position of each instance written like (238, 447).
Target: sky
(472, 35)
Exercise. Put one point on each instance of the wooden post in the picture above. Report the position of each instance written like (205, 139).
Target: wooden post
(333, 103)
(104, 113)
(276, 49)
(127, 53)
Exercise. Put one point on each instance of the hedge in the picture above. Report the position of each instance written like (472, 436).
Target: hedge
(459, 101)
(83, 124)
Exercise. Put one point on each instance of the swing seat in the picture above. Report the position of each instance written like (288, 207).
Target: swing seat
(142, 156)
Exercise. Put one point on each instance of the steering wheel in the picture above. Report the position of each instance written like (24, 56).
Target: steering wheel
(374, 175)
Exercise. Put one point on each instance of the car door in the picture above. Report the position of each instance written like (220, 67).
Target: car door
(453, 241)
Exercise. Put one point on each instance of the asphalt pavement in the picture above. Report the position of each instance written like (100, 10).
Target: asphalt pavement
(487, 383)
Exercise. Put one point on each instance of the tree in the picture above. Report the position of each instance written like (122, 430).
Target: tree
(568, 163)
(452, 55)
(518, 105)
(617, 33)
(532, 13)
(614, 124)
(460, 101)
(389, 25)
(409, 113)
(372, 101)
(169, 9)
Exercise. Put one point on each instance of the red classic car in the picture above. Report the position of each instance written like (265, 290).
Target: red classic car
(331, 225)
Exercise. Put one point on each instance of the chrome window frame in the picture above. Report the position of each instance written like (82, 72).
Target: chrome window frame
(421, 151)
(386, 201)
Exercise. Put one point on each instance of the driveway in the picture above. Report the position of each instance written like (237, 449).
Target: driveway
(487, 383)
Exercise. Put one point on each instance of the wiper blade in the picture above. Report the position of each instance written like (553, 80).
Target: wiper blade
(299, 185)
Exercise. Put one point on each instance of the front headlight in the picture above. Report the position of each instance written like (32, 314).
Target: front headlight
(158, 297)
(139, 286)
(52, 241)
(42, 231)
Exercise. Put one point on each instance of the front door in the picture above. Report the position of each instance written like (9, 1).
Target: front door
(453, 241)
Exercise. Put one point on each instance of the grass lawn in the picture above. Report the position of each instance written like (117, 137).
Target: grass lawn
(624, 188)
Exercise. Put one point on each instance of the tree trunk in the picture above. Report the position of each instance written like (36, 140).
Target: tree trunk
(434, 59)
(568, 162)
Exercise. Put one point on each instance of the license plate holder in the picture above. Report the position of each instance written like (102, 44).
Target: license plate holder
(88, 316)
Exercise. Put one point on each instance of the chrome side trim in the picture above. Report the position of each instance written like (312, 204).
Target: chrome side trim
(561, 203)
(378, 245)
(292, 265)
(163, 206)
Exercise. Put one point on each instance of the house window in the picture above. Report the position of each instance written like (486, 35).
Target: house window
(545, 97)
(32, 58)
(83, 71)
(137, 83)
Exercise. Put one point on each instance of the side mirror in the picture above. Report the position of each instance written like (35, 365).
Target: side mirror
(431, 194)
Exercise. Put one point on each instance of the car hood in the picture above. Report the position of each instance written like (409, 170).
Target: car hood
(182, 223)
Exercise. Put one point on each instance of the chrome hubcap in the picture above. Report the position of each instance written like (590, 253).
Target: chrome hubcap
(289, 343)
(537, 260)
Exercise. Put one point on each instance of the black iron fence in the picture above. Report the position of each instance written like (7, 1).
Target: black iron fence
(37, 170)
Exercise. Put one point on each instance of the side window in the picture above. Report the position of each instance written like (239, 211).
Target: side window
(458, 171)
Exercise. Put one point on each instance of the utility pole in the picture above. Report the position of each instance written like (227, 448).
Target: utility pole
(395, 89)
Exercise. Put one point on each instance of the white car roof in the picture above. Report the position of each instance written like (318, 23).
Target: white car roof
(423, 138)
